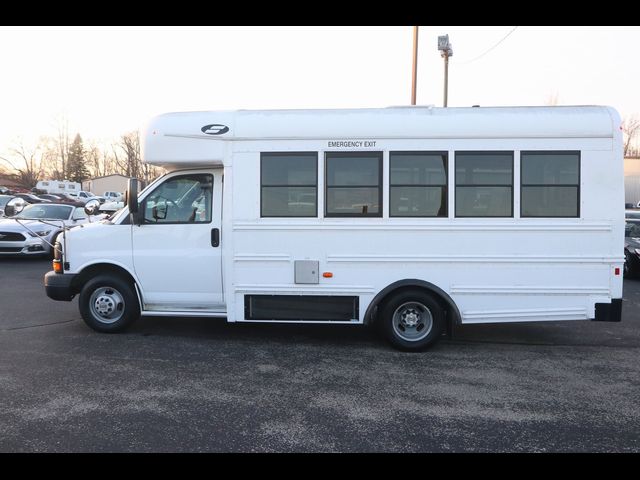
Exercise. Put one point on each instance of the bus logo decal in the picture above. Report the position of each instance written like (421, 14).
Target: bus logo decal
(215, 129)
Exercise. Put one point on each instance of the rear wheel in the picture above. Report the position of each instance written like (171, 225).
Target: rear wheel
(108, 303)
(412, 320)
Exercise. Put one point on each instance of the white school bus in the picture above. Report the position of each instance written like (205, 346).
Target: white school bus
(411, 219)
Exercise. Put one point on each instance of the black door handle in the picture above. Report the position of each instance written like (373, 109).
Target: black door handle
(215, 237)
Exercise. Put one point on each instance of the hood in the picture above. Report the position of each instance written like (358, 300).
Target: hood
(11, 225)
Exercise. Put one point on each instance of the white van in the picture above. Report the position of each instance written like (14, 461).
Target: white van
(411, 219)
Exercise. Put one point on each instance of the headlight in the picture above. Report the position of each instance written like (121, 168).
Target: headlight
(43, 233)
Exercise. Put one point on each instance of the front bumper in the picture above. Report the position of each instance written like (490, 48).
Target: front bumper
(32, 246)
(58, 286)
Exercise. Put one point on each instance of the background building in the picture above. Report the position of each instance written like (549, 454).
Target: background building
(108, 183)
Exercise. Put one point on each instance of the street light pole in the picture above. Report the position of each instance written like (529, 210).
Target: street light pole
(414, 73)
(446, 51)
(446, 79)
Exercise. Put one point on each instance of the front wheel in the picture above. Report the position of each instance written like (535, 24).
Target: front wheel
(412, 320)
(108, 304)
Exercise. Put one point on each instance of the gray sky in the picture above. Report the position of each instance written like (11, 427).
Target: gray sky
(109, 80)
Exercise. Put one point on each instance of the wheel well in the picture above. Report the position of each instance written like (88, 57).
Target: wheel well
(99, 269)
(452, 314)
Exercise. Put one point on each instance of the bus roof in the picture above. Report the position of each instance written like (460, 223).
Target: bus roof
(174, 132)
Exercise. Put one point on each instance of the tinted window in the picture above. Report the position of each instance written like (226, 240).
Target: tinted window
(550, 184)
(289, 184)
(353, 184)
(418, 184)
(353, 170)
(484, 184)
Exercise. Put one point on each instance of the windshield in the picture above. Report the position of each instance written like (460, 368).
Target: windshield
(40, 211)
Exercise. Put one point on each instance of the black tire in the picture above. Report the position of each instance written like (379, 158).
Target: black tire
(108, 303)
(402, 311)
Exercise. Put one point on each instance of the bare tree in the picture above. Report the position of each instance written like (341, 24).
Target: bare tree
(50, 160)
(630, 129)
(93, 159)
(29, 170)
(63, 143)
(55, 150)
(127, 154)
(101, 159)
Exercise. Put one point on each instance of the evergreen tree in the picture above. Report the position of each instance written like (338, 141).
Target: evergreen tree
(76, 168)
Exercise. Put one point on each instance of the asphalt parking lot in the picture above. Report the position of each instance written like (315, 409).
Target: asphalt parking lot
(197, 385)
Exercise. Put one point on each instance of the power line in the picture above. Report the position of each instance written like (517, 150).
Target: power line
(499, 42)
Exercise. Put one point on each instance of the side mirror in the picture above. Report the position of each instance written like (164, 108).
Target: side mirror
(92, 207)
(159, 212)
(14, 206)
(131, 197)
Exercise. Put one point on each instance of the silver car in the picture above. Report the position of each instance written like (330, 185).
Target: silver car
(31, 231)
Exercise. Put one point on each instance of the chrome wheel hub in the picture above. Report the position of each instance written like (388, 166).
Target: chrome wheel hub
(412, 321)
(107, 304)
(410, 318)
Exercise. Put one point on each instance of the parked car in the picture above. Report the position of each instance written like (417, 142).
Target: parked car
(34, 228)
(84, 196)
(113, 196)
(62, 198)
(31, 198)
(111, 207)
(4, 190)
(69, 197)
(631, 248)
(50, 196)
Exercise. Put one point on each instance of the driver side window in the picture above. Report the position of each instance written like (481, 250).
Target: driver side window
(183, 199)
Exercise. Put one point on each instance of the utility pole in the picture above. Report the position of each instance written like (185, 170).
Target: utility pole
(414, 73)
(446, 80)
(446, 51)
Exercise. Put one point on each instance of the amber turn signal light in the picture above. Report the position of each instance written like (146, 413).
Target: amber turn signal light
(57, 266)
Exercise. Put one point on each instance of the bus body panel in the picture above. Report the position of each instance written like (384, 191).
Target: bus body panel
(512, 269)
